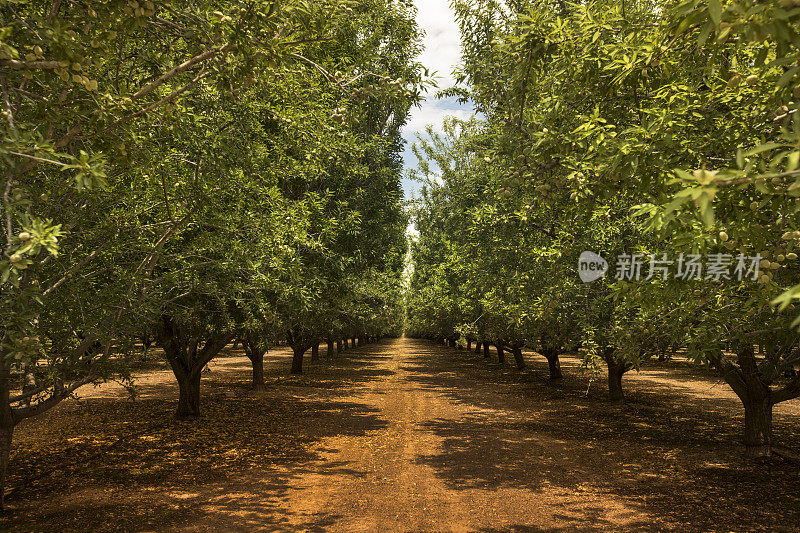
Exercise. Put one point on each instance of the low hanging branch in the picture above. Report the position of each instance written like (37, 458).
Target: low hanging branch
(328, 76)
(17, 64)
(151, 107)
(186, 65)
(21, 413)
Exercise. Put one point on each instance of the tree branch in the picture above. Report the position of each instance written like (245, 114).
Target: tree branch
(74, 268)
(17, 64)
(186, 65)
(21, 413)
(7, 104)
(149, 108)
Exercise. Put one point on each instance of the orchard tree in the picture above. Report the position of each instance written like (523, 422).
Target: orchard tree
(122, 199)
(744, 200)
(614, 97)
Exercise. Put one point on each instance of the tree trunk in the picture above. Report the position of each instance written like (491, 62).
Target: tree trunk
(257, 361)
(315, 352)
(297, 359)
(615, 372)
(555, 365)
(486, 350)
(338, 347)
(6, 434)
(758, 427)
(477, 347)
(469, 344)
(518, 359)
(329, 354)
(354, 343)
(747, 381)
(501, 356)
(188, 395)
(6, 426)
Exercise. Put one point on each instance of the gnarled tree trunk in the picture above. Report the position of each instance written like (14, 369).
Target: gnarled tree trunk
(254, 348)
(616, 369)
(258, 373)
(297, 358)
(315, 352)
(187, 359)
(6, 425)
(615, 392)
(486, 354)
(501, 356)
(518, 359)
(756, 396)
(188, 395)
(553, 363)
(757, 426)
(329, 353)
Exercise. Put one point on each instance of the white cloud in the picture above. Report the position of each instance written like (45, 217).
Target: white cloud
(433, 113)
(442, 53)
(442, 38)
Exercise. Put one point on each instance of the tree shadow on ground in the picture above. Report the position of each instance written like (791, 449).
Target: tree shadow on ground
(670, 455)
(129, 465)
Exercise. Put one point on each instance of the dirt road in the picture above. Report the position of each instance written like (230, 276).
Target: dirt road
(404, 435)
(398, 478)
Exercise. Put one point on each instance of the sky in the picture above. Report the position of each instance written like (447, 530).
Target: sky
(442, 53)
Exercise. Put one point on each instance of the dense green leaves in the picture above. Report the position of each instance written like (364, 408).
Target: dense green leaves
(194, 172)
(630, 129)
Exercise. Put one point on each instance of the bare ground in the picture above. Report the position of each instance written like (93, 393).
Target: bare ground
(403, 436)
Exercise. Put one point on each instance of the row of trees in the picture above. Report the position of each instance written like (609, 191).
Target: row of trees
(194, 173)
(641, 131)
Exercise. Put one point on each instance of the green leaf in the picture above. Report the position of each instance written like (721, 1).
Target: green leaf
(704, 33)
(706, 210)
(715, 11)
(787, 76)
(783, 300)
(762, 148)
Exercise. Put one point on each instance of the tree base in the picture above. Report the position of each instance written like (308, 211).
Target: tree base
(755, 452)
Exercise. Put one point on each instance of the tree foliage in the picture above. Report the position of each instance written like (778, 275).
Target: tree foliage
(637, 128)
(196, 172)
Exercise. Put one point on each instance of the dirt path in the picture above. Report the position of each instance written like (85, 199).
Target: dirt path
(385, 480)
(403, 435)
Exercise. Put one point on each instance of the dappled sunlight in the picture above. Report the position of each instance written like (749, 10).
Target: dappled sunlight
(394, 436)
